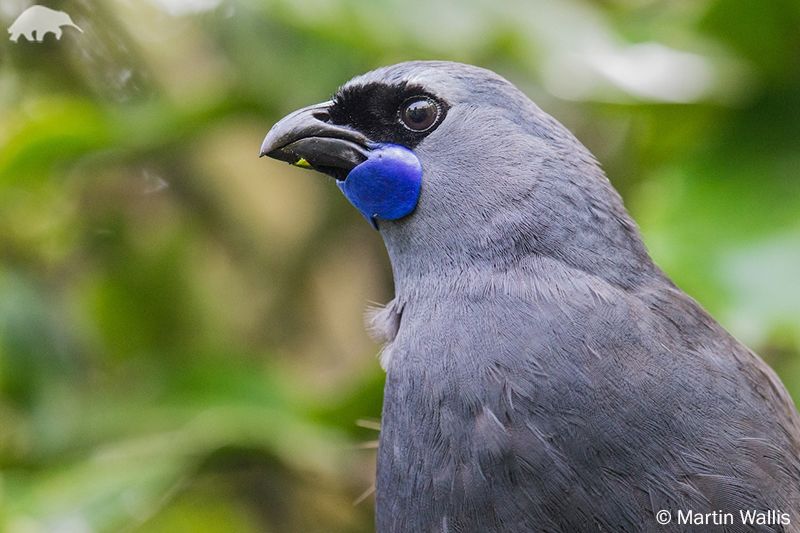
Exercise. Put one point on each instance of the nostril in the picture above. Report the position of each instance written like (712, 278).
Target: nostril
(322, 115)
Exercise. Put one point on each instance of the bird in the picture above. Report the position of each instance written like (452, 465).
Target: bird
(542, 373)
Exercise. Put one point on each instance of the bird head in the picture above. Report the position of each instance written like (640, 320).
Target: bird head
(457, 168)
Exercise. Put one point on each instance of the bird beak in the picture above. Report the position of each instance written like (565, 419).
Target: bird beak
(308, 139)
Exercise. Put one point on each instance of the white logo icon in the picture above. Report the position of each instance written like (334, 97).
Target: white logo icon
(37, 21)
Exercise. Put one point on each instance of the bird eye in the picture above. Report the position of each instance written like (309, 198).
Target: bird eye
(419, 113)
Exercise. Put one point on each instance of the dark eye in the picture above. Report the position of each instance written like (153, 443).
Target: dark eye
(419, 113)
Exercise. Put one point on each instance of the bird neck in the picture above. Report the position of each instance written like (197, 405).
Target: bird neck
(586, 234)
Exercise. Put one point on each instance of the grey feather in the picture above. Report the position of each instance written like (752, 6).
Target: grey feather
(544, 374)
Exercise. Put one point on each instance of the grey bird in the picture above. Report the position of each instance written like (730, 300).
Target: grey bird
(542, 373)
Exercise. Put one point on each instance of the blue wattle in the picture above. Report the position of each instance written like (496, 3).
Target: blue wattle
(386, 185)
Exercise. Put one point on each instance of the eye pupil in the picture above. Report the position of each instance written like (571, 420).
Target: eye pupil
(419, 114)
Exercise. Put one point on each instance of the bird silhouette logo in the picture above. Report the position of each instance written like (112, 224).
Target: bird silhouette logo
(37, 21)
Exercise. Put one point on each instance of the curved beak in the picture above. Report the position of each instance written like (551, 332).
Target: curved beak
(308, 139)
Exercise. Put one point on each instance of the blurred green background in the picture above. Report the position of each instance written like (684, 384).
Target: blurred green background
(181, 341)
